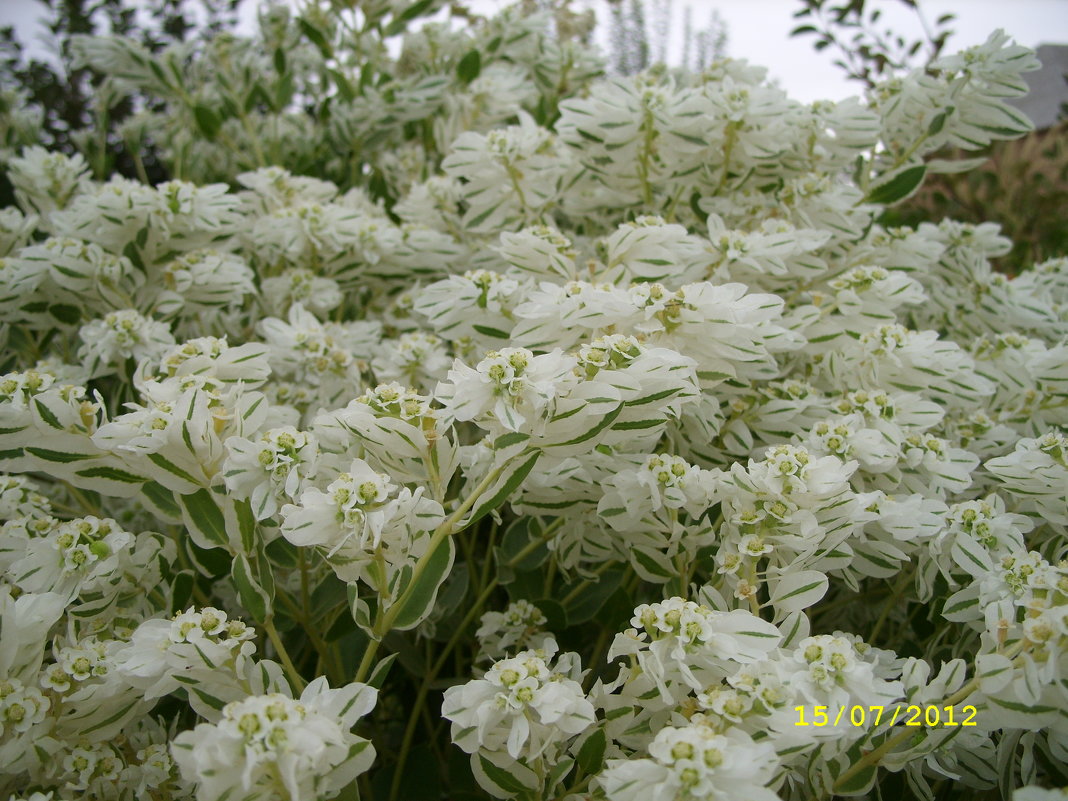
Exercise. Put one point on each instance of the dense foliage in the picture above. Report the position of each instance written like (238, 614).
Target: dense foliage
(459, 422)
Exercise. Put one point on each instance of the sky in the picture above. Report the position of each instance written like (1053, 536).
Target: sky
(758, 30)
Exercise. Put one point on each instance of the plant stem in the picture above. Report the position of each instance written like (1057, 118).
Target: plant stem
(384, 622)
(283, 654)
(582, 585)
(895, 596)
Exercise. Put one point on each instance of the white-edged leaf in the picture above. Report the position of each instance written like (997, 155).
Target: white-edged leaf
(796, 591)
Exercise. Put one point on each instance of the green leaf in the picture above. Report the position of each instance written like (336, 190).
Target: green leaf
(590, 600)
(344, 88)
(559, 772)
(507, 780)
(65, 313)
(253, 597)
(858, 784)
(593, 431)
(282, 552)
(398, 23)
(555, 614)
(509, 439)
(60, 457)
(317, 37)
(283, 91)
(163, 462)
(111, 474)
(327, 597)
(203, 517)
(381, 671)
(520, 535)
(899, 187)
(591, 754)
(247, 524)
(363, 610)
(489, 331)
(939, 122)
(469, 67)
(211, 562)
(514, 478)
(798, 590)
(207, 121)
(181, 590)
(46, 415)
(422, 594)
(161, 500)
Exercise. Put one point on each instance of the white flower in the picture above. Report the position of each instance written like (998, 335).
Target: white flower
(475, 305)
(832, 671)
(1034, 793)
(361, 516)
(352, 506)
(893, 356)
(682, 646)
(662, 481)
(203, 280)
(541, 250)
(274, 187)
(1037, 472)
(15, 229)
(85, 274)
(271, 746)
(240, 366)
(516, 626)
(848, 438)
(727, 331)
(73, 556)
(273, 467)
(525, 705)
(562, 316)
(317, 294)
(196, 646)
(47, 181)
(695, 762)
(122, 335)
(325, 356)
(21, 496)
(510, 389)
(509, 176)
(415, 358)
(649, 249)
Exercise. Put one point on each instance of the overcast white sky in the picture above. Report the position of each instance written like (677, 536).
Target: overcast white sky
(758, 30)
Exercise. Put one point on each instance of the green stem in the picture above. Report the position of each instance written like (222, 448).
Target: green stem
(728, 148)
(368, 659)
(644, 156)
(384, 622)
(584, 584)
(283, 654)
(318, 644)
(751, 577)
(484, 577)
(304, 595)
(895, 596)
(596, 656)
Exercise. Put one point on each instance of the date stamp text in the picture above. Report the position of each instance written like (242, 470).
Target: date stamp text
(928, 715)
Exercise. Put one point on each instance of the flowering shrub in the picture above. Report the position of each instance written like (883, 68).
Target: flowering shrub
(594, 425)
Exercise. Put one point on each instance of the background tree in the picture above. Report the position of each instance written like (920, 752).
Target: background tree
(1022, 184)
